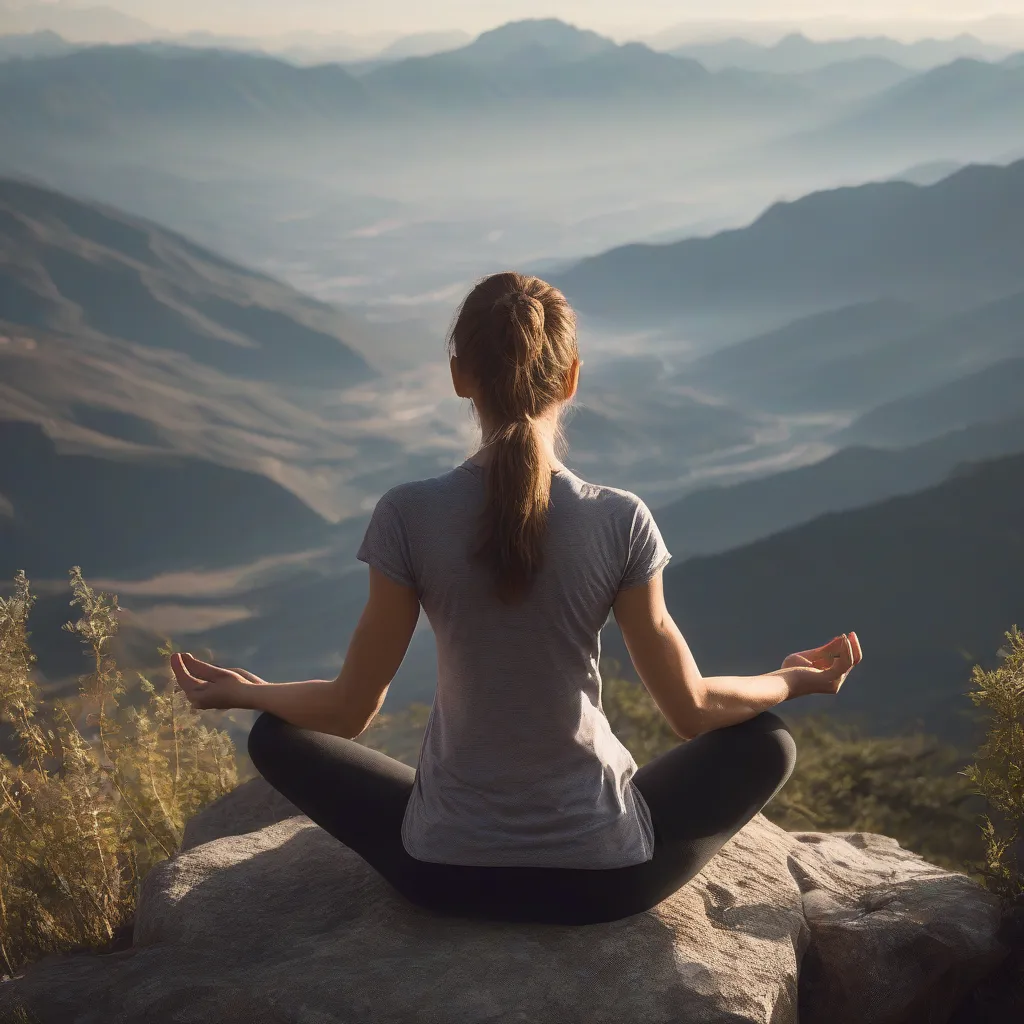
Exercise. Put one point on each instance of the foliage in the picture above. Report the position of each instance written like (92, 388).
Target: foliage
(94, 800)
(998, 772)
(906, 787)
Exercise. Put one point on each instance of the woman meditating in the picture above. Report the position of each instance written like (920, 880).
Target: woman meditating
(524, 805)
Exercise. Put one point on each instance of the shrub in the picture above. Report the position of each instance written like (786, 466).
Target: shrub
(86, 812)
(998, 772)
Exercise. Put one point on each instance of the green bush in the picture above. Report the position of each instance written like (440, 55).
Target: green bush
(97, 798)
(998, 772)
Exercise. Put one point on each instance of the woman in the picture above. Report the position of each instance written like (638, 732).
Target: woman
(524, 805)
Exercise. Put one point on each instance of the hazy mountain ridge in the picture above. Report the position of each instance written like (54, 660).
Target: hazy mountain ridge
(136, 516)
(71, 267)
(548, 60)
(973, 101)
(929, 580)
(717, 519)
(125, 341)
(990, 394)
(959, 241)
(110, 87)
(797, 53)
(33, 44)
(857, 357)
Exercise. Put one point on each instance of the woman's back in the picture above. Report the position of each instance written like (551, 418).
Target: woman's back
(518, 764)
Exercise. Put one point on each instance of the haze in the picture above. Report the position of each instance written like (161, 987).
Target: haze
(903, 18)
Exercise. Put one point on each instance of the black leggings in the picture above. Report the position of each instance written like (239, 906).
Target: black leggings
(700, 795)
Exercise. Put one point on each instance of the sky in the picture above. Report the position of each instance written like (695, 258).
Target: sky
(619, 18)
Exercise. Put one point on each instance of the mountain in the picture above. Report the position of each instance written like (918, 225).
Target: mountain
(855, 78)
(991, 394)
(861, 356)
(538, 58)
(792, 368)
(76, 269)
(796, 53)
(126, 341)
(34, 44)
(137, 515)
(163, 85)
(534, 36)
(929, 581)
(422, 44)
(929, 172)
(122, 88)
(956, 107)
(719, 518)
(954, 243)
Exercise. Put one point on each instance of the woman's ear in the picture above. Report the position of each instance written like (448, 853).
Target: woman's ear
(572, 379)
(457, 382)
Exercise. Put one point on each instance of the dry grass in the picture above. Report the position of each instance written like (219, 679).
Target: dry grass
(100, 792)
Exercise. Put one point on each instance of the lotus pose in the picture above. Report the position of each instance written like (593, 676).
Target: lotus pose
(524, 805)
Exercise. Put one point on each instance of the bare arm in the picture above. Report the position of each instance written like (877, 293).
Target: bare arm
(692, 703)
(344, 706)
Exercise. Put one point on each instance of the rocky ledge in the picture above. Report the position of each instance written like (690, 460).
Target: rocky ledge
(263, 918)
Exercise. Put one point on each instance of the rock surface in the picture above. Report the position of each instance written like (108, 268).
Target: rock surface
(263, 918)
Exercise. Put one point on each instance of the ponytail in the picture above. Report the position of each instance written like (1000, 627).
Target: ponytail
(517, 336)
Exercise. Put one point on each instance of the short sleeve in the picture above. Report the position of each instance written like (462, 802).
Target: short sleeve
(647, 550)
(385, 544)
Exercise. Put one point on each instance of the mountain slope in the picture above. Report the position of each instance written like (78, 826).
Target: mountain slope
(127, 342)
(139, 515)
(120, 89)
(543, 59)
(991, 394)
(965, 100)
(958, 241)
(72, 267)
(929, 581)
(858, 357)
(719, 518)
(796, 53)
(126, 90)
(33, 44)
(785, 369)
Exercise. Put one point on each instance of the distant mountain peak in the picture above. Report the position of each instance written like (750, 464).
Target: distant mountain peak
(546, 33)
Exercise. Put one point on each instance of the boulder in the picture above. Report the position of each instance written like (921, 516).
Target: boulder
(263, 918)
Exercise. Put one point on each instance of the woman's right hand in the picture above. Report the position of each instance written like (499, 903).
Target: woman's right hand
(824, 669)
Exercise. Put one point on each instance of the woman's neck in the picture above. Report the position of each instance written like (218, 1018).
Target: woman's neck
(545, 427)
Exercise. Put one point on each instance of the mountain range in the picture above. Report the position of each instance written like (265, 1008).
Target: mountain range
(929, 581)
(145, 376)
(992, 394)
(860, 356)
(127, 342)
(966, 103)
(101, 86)
(952, 244)
(796, 53)
(716, 519)
(75, 270)
(33, 44)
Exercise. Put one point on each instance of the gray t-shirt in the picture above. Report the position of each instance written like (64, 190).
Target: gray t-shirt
(518, 765)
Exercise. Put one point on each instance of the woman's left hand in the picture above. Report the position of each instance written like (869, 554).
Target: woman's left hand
(209, 686)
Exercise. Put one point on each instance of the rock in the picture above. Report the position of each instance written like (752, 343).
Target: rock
(263, 918)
